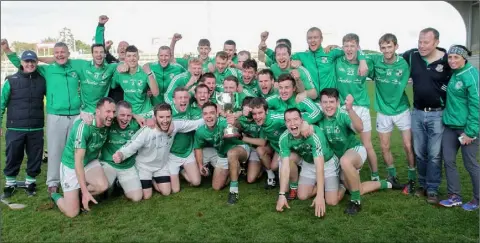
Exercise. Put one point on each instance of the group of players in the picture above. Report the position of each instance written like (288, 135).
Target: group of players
(296, 120)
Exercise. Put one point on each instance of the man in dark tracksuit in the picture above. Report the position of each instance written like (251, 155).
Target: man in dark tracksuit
(22, 96)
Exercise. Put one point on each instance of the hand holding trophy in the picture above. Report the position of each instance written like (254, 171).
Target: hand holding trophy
(228, 102)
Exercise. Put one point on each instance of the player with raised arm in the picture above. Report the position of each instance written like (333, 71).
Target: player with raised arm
(340, 126)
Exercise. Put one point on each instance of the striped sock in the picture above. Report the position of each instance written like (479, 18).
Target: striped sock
(10, 180)
(293, 185)
(234, 186)
(412, 174)
(56, 197)
(29, 180)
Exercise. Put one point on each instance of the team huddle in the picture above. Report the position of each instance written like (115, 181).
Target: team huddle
(140, 129)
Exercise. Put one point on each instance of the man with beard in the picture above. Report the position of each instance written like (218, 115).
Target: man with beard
(266, 84)
(152, 146)
(287, 98)
(181, 153)
(203, 49)
(320, 166)
(222, 70)
(321, 63)
(116, 93)
(228, 150)
(248, 83)
(187, 79)
(63, 103)
(301, 74)
(80, 168)
(135, 84)
(121, 131)
(349, 82)
(340, 126)
(163, 71)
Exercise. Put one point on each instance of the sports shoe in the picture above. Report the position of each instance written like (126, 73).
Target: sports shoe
(395, 184)
(270, 183)
(353, 208)
(232, 198)
(452, 201)
(432, 198)
(292, 194)
(32, 189)
(409, 188)
(470, 206)
(421, 192)
(375, 178)
(8, 191)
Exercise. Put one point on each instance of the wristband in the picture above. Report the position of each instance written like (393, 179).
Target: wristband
(150, 73)
(281, 193)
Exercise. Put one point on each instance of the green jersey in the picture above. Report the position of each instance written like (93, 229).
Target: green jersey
(322, 65)
(272, 129)
(304, 75)
(206, 137)
(135, 90)
(349, 82)
(84, 136)
(273, 94)
(390, 79)
(117, 137)
(251, 89)
(461, 109)
(95, 83)
(195, 111)
(339, 132)
(179, 80)
(219, 77)
(307, 148)
(311, 111)
(249, 127)
(164, 76)
(270, 58)
(182, 145)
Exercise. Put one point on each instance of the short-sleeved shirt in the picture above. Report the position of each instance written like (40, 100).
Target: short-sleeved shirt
(311, 111)
(307, 148)
(84, 136)
(305, 76)
(205, 137)
(135, 90)
(339, 132)
(349, 82)
(182, 145)
(272, 129)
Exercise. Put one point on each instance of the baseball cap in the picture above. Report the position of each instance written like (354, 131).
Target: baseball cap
(29, 55)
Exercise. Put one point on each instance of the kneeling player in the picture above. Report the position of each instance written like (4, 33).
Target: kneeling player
(319, 164)
(340, 127)
(121, 131)
(153, 147)
(80, 168)
(229, 150)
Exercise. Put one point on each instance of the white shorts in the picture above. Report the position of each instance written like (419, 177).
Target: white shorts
(331, 169)
(68, 177)
(253, 156)
(363, 154)
(364, 114)
(148, 173)
(174, 162)
(128, 178)
(385, 123)
(224, 161)
(210, 156)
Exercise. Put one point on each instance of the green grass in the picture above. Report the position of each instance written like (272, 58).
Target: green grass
(201, 214)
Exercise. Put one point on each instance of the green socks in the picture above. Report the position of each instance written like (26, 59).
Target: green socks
(375, 176)
(412, 174)
(56, 196)
(355, 196)
(29, 180)
(234, 186)
(384, 184)
(392, 171)
(293, 185)
(10, 180)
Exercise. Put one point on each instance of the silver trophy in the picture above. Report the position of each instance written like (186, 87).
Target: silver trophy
(228, 101)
